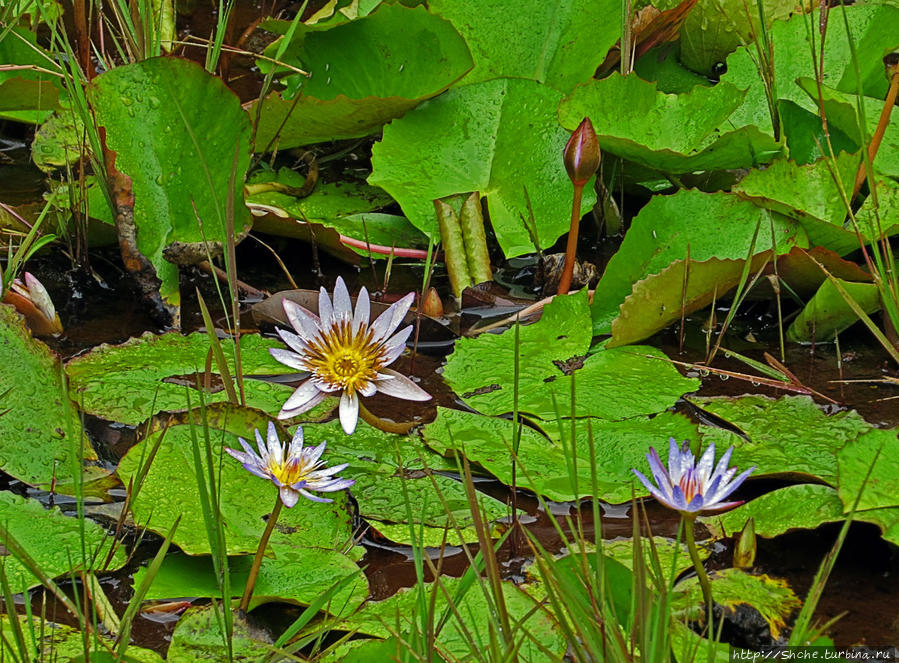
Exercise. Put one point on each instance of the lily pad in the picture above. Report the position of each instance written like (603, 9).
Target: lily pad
(199, 636)
(170, 490)
(675, 133)
(786, 436)
(287, 574)
(709, 225)
(828, 313)
(532, 624)
(877, 452)
(177, 132)
(802, 506)
(41, 440)
(541, 41)
(58, 642)
(498, 137)
(363, 74)
(545, 465)
(133, 381)
(26, 95)
(611, 384)
(54, 541)
(771, 597)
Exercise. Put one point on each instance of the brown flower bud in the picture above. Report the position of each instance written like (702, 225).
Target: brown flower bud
(582, 153)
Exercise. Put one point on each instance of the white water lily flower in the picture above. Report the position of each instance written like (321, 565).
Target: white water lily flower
(690, 488)
(344, 353)
(294, 473)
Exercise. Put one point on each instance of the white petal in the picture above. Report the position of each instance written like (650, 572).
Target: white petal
(399, 386)
(289, 496)
(301, 396)
(367, 390)
(289, 358)
(363, 310)
(306, 323)
(390, 319)
(396, 345)
(289, 413)
(325, 310)
(275, 449)
(343, 307)
(349, 412)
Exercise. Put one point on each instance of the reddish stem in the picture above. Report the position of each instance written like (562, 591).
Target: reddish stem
(571, 248)
(888, 104)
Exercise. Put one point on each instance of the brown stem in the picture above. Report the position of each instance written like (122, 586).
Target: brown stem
(260, 553)
(888, 104)
(571, 248)
(399, 428)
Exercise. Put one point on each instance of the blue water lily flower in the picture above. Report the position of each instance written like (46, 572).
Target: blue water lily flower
(295, 473)
(689, 488)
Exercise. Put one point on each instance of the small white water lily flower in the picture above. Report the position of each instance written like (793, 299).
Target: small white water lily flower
(344, 353)
(294, 473)
(689, 488)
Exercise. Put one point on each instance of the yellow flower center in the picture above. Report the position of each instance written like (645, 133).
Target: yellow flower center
(289, 472)
(344, 360)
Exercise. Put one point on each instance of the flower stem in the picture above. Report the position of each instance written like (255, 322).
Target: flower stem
(260, 553)
(399, 428)
(571, 247)
(697, 564)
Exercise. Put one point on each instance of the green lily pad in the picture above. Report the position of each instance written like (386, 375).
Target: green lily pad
(532, 625)
(802, 506)
(170, 490)
(539, 40)
(675, 133)
(26, 95)
(688, 646)
(498, 137)
(805, 135)
(41, 440)
(177, 132)
(671, 555)
(853, 464)
(396, 472)
(786, 436)
(59, 141)
(545, 465)
(828, 313)
(662, 66)
(772, 597)
(199, 636)
(363, 74)
(53, 540)
(133, 381)
(613, 383)
(287, 574)
(872, 28)
(59, 642)
(660, 299)
(710, 225)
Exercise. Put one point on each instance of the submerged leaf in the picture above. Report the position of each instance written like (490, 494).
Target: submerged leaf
(828, 313)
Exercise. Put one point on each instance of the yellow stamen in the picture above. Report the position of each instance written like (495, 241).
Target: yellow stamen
(344, 360)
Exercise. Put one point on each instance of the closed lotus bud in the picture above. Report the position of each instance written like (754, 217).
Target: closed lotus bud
(582, 153)
(433, 305)
(744, 554)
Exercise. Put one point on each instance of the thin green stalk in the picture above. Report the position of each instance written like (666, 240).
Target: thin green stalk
(260, 553)
(687, 523)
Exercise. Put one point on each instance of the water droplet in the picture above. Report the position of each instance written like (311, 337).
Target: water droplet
(704, 372)
(723, 376)
(160, 180)
(402, 66)
(327, 66)
(154, 102)
(329, 80)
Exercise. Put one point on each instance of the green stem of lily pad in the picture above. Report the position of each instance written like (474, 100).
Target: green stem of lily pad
(697, 564)
(398, 428)
(260, 553)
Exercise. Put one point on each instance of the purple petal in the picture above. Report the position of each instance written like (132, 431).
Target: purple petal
(658, 471)
(399, 386)
(705, 465)
(309, 496)
(678, 499)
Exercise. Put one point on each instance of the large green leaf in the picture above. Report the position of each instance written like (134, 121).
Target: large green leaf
(199, 636)
(708, 225)
(787, 436)
(828, 313)
(872, 29)
(287, 574)
(131, 382)
(41, 440)
(57, 543)
(869, 466)
(498, 137)
(170, 490)
(362, 74)
(542, 41)
(611, 384)
(534, 625)
(26, 94)
(802, 506)
(545, 466)
(676, 133)
(177, 132)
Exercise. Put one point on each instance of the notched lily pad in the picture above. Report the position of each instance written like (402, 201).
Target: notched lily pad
(198, 636)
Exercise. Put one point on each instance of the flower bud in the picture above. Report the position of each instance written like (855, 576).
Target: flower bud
(582, 153)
